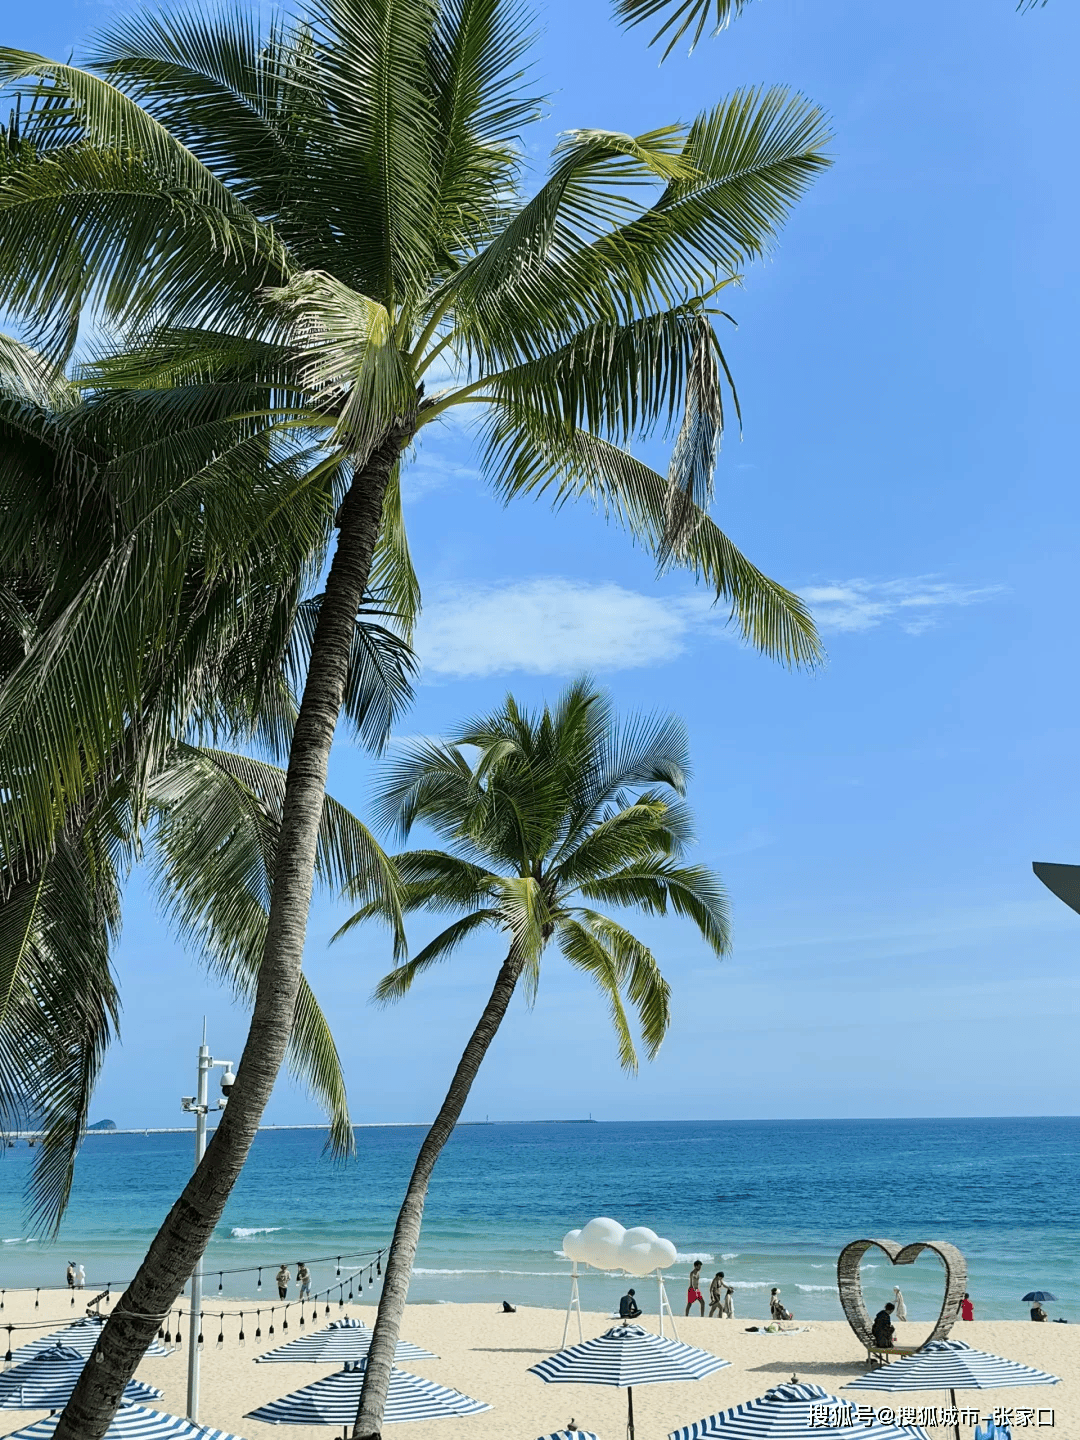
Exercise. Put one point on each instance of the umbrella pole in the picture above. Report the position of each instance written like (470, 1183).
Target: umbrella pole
(630, 1412)
(952, 1397)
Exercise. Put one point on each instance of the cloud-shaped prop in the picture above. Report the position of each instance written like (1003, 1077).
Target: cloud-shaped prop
(604, 1244)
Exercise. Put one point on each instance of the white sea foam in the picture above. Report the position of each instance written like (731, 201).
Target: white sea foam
(245, 1232)
(17, 1241)
(561, 1274)
(815, 1287)
(730, 1255)
(703, 1255)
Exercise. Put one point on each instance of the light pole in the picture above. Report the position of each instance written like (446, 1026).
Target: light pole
(199, 1104)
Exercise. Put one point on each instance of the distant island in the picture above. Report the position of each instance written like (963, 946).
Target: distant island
(103, 1125)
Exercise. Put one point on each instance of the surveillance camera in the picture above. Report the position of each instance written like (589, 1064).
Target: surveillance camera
(228, 1080)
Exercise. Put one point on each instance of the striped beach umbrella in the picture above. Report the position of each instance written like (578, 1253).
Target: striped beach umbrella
(951, 1365)
(334, 1400)
(133, 1422)
(46, 1382)
(625, 1356)
(790, 1412)
(82, 1335)
(570, 1435)
(341, 1341)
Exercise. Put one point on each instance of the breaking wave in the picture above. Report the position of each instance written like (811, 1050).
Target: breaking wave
(245, 1232)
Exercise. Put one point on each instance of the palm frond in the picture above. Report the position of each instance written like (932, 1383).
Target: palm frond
(691, 890)
(680, 16)
(586, 951)
(399, 981)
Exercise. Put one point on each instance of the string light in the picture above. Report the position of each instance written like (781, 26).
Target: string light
(285, 1319)
(7, 1357)
(220, 1286)
(339, 1264)
(202, 1317)
(259, 1285)
(240, 1337)
(271, 1330)
(37, 1297)
(378, 1263)
(221, 1330)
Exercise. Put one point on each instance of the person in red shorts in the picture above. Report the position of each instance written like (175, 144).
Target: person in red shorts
(967, 1310)
(694, 1289)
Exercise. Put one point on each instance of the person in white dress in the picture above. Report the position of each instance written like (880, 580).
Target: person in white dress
(898, 1301)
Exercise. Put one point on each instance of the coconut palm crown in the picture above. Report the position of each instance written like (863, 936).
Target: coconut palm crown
(545, 817)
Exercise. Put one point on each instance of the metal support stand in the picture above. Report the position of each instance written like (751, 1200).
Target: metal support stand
(575, 1304)
(665, 1306)
(198, 1105)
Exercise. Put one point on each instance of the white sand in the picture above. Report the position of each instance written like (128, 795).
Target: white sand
(487, 1354)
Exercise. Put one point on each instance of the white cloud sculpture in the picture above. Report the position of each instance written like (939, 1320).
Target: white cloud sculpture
(606, 1245)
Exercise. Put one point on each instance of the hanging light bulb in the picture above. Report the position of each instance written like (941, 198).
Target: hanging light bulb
(339, 1264)
(240, 1337)
(360, 1285)
(221, 1330)
(258, 1324)
(7, 1356)
(179, 1337)
(271, 1330)
(220, 1287)
(202, 1317)
(259, 1285)
(2, 1294)
(378, 1263)
(37, 1298)
(285, 1320)
(301, 1317)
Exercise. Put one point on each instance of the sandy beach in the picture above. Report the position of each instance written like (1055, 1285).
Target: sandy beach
(487, 1354)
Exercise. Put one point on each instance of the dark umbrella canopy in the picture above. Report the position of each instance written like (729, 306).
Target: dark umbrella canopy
(1038, 1295)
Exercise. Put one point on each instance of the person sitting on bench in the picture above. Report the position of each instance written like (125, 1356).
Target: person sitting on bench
(883, 1332)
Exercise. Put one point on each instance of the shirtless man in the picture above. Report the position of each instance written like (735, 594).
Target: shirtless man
(693, 1292)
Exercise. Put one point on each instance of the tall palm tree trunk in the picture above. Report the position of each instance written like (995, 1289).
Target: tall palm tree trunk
(402, 1253)
(190, 1223)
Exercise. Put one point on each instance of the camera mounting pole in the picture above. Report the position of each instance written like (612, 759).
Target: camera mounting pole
(199, 1105)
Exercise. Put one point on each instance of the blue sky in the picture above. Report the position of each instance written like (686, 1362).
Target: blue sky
(906, 363)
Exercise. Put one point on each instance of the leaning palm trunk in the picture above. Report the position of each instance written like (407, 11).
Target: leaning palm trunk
(190, 1223)
(399, 1264)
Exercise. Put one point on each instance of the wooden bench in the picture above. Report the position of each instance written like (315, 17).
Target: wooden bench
(878, 1355)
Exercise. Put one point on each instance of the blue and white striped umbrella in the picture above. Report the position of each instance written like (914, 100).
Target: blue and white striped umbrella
(341, 1341)
(790, 1412)
(133, 1422)
(571, 1435)
(334, 1399)
(625, 1356)
(81, 1335)
(951, 1365)
(46, 1382)
(628, 1355)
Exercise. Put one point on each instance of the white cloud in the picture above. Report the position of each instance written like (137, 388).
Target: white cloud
(431, 472)
(865, 604)
(549, 625)
(552, 626)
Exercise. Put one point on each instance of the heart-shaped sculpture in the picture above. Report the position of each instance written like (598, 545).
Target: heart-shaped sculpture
(849, 1281)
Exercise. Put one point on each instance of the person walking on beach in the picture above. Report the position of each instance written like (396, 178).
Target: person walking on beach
(898, 1303)
(629, 1309)
(71, 1275)
(283, 1279)
(967, 1309)
(717, 1297)
(80, 1277)
(303, 1279)
(693, 1292)
(777, 1309)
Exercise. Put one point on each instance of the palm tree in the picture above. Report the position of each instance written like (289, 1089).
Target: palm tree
(544, 816)
(308, 225)
(234, 661)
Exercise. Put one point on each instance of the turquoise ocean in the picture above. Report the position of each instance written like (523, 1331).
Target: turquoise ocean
(768, 1202)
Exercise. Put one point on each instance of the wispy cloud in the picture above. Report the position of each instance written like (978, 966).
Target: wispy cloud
(549, 625)
(913, 604)
(552, 626)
